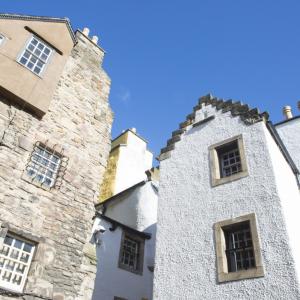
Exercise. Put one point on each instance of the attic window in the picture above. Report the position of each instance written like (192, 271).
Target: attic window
(228, 161)
(35, 55)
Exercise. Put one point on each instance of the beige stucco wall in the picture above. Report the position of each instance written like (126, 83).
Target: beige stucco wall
(32, 90)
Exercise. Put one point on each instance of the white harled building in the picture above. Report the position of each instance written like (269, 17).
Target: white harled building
(125, 222)
(229, 203)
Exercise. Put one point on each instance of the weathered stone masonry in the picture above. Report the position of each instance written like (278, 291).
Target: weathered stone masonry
(77, 124)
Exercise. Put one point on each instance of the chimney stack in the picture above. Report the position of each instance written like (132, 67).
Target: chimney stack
(299, 105)
(86, 31)
(287, 112)
(95, 39)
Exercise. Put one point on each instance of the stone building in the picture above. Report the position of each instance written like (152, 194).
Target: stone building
(229, 202)
(125, 223)
(55, 124)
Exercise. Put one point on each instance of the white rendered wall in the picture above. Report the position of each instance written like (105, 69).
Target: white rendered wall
(137, 210)
(185, 263)
(290, 135)
(134, 160)
(112, 281)
(288, 191)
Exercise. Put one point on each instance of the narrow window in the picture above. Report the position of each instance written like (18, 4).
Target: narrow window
(229, 158)
(36, 55)
(15, 259)
(239, 247)
(44, 165)
(131, 253)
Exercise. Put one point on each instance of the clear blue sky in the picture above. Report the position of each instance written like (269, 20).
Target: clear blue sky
(162, 55)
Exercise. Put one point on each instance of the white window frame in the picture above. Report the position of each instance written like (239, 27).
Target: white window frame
(38, 58)
(2, 39)
(8, 285)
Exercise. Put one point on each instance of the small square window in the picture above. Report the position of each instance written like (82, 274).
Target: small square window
(238, 249)
(44, 165)
(131, 253)
(15, 259)
(35, 55)
(228, 161)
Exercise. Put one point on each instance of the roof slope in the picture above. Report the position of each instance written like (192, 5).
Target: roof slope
(41, 18)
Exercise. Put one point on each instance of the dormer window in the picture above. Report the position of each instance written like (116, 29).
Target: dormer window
(36, 55)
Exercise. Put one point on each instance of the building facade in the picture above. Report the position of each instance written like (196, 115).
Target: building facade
(228, 206)
(125, 222)
(55, 124)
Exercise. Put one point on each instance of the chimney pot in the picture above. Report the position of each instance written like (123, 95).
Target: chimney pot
(287, 112)
(133, 129)
(299, 105)
(95, 39)
(86, 31)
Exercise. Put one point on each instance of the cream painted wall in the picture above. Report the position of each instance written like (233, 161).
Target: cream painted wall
(38, 90)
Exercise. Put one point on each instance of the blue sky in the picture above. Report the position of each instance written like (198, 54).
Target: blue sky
(162, 55)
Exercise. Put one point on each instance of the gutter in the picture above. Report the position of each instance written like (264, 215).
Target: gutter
(283, 150)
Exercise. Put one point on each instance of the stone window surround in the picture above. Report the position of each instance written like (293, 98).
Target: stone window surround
(216, 178)
(140, 263)
(220, 244)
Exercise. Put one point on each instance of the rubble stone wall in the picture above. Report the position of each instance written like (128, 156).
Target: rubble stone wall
(59, 220)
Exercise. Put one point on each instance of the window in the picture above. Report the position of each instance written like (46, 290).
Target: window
(44, 165)
(238, 249)
(131, 253)
(15, 259)
(35, 56)
(228, 161)
(2, 38)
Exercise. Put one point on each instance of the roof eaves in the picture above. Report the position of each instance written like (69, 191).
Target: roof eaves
(116, 224)
(41, 18)
(286, 121)
(117, 196)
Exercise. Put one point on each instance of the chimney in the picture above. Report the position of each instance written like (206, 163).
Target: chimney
(287, 112)
(95, 39)
(86, 31)
(133, 129)
(299, 105)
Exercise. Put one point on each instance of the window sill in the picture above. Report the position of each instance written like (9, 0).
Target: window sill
(137, 272)
(239, 275)
(223, 180)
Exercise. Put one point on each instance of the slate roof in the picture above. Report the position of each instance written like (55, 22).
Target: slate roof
(43, 19)
(248, 115)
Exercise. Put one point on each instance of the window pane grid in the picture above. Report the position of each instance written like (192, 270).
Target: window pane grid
(15, 259)
(35, 56)
(240, 252)
(130, 253)
(231, 162)
(43, 166)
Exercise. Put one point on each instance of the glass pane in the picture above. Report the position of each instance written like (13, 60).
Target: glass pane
(23, 61)
(18, 244)
(8, 240)
(27, 248)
